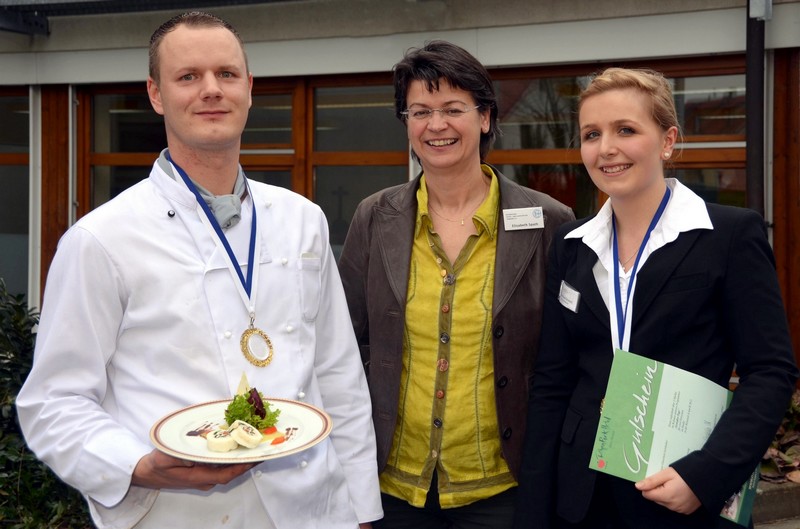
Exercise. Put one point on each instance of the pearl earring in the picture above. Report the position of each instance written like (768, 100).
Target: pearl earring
(666, 155)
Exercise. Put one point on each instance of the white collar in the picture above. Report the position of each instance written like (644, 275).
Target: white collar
(685, 212)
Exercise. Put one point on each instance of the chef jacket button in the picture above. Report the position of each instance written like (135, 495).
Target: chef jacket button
(502, 382)
(284, 261)
(301, 395)
(507, 433)
(228, 334)
(498, 331)
(289, 328)
(268, 204)
(303, 463)
(437, 422)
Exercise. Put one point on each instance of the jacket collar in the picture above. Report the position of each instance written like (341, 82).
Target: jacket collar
(395, 220)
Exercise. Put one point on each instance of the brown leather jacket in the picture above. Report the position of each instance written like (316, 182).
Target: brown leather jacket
(374, 266)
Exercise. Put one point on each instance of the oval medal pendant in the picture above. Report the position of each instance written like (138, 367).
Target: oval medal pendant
(256, 347)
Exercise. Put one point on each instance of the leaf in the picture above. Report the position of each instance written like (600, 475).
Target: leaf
(769, 469)
(793, 452)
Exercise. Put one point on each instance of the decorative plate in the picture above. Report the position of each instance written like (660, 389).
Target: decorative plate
(181, 433)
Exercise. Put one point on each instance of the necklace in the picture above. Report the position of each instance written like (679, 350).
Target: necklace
(433, 210)
(628, 260)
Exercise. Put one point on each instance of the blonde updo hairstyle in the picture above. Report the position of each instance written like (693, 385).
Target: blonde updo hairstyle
(648, 82)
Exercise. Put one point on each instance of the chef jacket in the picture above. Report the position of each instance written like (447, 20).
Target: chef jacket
(141, 317)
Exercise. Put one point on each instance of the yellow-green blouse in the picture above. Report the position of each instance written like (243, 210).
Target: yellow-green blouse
(447, 418)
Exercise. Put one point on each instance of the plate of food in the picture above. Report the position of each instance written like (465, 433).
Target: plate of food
(245, 429)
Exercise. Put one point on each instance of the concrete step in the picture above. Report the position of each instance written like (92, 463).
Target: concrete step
(777, 506)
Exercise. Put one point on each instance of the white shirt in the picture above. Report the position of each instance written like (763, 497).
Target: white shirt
(141, 317)
(685, 212)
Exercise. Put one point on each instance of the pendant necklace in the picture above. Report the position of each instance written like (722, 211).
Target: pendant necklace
(430, 207)
(628, 260)
(252, 337)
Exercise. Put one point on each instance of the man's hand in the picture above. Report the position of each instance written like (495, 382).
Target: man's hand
(668, 489)
(157, 470)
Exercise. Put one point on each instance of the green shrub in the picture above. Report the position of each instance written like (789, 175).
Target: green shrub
(31, 496)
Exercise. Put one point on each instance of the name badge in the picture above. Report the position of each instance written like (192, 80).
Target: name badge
(569, 297)
(523, 219)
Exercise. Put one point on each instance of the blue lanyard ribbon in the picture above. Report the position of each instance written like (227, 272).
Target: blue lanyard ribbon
(622, 315)
(247, 283)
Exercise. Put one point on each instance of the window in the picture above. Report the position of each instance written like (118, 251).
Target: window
(15, 199)
(359, 147)
(335, 139)
(540, 147)
(120, 136)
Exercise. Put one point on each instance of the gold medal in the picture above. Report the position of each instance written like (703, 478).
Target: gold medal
(254, 336)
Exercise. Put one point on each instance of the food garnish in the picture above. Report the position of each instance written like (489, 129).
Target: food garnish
(253, 409)
(250, 422)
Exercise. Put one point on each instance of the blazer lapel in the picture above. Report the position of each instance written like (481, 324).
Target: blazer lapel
(587, 285)
(394, 225)
(515, 249)
(659, 267)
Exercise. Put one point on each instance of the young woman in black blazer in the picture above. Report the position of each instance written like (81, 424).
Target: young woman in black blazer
(662, 274)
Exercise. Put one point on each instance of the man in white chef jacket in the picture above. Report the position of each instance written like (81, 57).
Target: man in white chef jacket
(146, 304)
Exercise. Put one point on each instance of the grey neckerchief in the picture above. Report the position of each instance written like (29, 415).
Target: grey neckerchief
(227, 209)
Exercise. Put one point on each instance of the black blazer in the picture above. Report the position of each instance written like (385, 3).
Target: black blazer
(706, 302)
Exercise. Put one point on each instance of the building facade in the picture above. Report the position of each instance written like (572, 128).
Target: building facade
(77, 126)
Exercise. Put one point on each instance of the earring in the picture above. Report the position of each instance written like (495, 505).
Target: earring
(667, 155)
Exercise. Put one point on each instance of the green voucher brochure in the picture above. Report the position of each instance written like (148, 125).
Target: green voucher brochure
(653, 414)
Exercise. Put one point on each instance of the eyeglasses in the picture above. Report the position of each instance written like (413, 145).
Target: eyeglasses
(422, 114)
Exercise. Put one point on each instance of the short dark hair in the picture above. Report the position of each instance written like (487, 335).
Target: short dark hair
(195, 19)
(440, 61)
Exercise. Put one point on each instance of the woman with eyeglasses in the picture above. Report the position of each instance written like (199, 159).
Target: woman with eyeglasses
(444, 277)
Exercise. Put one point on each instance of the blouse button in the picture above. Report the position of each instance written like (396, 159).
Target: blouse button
(444, 337)
(301, 395)
(437, 422)
(228, 334)
(289, 328)
(445, 308)
(443, 364)
(284, 261)
(440, 394)
(303, 463)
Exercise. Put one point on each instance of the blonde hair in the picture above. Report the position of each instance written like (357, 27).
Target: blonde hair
(648, 82)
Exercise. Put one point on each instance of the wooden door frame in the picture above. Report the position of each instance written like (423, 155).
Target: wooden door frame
(786, 183)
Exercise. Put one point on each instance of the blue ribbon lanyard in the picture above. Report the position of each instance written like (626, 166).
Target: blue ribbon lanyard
(622, 315)
(247, 283)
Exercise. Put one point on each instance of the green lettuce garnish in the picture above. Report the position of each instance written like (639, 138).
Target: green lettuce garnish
(253, 409)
